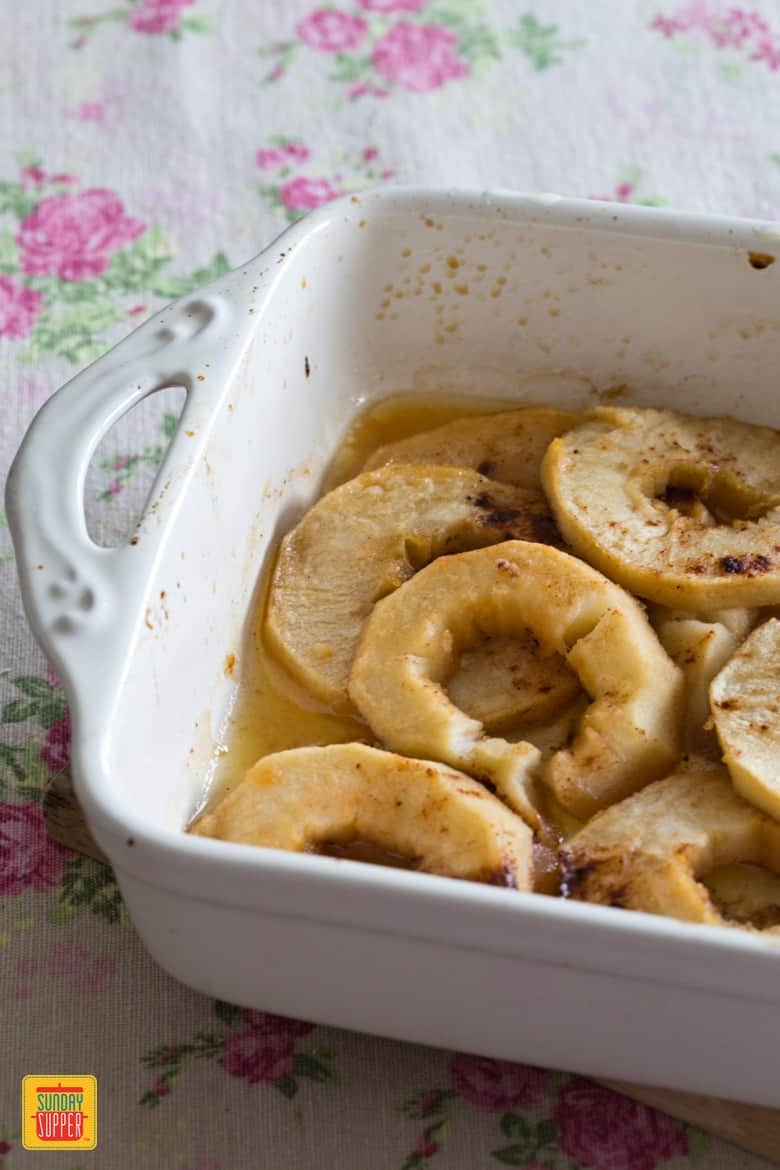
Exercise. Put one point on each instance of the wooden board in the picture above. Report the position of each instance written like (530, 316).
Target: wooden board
(753, 1128)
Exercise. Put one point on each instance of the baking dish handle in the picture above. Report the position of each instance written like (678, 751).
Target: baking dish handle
(82, 600)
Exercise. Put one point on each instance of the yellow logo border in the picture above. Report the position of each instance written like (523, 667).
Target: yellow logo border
(91, 1095)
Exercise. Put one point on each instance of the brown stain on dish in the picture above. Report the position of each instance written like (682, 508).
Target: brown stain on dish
(761, 260)
(230, 664)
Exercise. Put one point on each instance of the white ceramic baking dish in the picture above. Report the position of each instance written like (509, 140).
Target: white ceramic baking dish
(355, 303)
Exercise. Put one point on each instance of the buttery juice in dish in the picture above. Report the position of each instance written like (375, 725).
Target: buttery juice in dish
(272, 712)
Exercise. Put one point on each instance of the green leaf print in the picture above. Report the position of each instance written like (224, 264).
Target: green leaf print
(22, 772)
(33, 687)
(540, 43)
(546, 1132)
(173, 1058)
(698, 1141)
(349, 68)
(448, 11)
(428, 1103)
(42, 702)
(88, 885)
(228, 1013)
(9, 253)
(72, 333)
(18, 710)
(515, 1126)
(199, 24)
(287, 1086)
(15, 199)
(306, 1065)
(479, 45)
(516, 1155)
(11, 766)
(169, 287)
(133, 268)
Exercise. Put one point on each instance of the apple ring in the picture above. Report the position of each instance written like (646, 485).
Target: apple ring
(745, 700)
(613, 484)
(628, 736)
(361, 541)
(508, 446)
(444, 821)
(700, 649)
(648, 852)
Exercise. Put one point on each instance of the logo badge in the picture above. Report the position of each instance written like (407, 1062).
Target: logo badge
(59, 1112)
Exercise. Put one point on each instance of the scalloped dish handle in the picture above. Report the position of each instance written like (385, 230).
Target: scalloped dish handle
(83, 601)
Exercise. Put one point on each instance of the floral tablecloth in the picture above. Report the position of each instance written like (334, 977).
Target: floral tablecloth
(146, 145)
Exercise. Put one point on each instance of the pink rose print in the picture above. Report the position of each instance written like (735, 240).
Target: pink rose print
(90, 974)
(255, 1057)
(365, 89)
(768, 51)
(157, 16)
(55, 752)
(497, 1085)
(293, 190)
(90, 112)
(426, 1147)
(32, 176)
(331, 30)
(73, 236)
(259, 1048)
(666, 25)
(27, 856)
(737, 27)
(602, 1130)
(264, 1050)
(269, 158)
(271, 1025)
(296, 151)
(303, 194)
(421, 57)
(732, 28)
(392, 5)
(19, 306)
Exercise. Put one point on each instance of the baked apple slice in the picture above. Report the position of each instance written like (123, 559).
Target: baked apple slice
(504, 682)
(620, 485)
(631, 731)
(442, 821)
(700, 649)
(747, 894)
(364, 539)
(745, 699)
(649, 852)
(508, 446)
